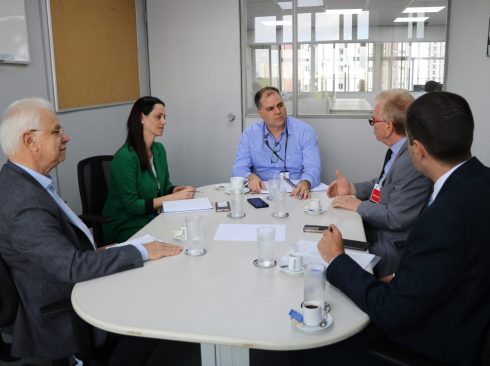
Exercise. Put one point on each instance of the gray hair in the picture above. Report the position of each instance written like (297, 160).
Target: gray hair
(21, 116)
(396, 103)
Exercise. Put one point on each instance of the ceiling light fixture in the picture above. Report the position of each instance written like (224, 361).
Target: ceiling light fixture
(426, 9)
(410, 19)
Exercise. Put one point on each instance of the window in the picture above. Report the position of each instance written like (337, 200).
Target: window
(327, 60)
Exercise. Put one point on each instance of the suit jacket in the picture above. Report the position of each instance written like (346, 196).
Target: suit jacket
(403, 196)
(131, 192)
(47, 256)
(439, 302)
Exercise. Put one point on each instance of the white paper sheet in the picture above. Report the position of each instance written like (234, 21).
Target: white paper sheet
(319, 188)
(311, 255)
(140, 240)
(246, 232)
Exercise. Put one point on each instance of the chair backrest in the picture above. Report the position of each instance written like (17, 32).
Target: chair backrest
(9, 298)
(93, 182)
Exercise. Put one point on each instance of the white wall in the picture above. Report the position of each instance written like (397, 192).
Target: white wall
(469, 67)
(92, 132)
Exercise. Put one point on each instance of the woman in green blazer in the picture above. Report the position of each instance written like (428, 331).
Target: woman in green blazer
(140, 181)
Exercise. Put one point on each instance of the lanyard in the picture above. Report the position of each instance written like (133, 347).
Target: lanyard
(266, 141)
(153, 173)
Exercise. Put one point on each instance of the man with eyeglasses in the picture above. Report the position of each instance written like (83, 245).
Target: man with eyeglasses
(279, 144)
(45, 245)
(390, 204)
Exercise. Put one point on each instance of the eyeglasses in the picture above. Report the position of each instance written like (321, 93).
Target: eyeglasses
(60, 131)
(372, 121)
(275, 156)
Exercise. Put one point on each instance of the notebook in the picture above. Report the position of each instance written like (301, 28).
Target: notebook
(184, 206)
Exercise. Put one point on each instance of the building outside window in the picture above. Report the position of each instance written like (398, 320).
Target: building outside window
(328, 59)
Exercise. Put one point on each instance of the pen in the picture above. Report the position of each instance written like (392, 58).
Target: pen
(196, 191)
(288, 181)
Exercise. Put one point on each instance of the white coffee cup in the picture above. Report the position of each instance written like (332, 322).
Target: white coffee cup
(238, 182)
(314, 204)
(295, 262)
(313, 313)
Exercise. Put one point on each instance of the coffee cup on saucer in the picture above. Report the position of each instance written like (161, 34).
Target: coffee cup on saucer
(295, 262)
(314, 313)
(314, 205)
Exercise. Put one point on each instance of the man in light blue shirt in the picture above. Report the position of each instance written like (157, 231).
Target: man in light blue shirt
(278, 144)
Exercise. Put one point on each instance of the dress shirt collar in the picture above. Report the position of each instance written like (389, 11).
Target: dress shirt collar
(286, 128)
(397, 146)
(44, 181)
(442, 179)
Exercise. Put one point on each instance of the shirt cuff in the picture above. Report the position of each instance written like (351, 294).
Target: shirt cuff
(141, 248)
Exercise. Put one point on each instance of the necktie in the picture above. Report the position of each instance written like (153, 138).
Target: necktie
(70, 214)
(387, 159)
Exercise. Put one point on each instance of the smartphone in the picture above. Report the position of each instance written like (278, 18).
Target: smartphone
(222, 206)
(356, 244)
(257, 202)
(315, 228)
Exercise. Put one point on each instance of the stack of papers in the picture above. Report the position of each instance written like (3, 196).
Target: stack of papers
(311, 255)
(246, 232)
(319, 188)
(185, 206)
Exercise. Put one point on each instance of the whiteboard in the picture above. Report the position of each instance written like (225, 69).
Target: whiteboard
(14, 47)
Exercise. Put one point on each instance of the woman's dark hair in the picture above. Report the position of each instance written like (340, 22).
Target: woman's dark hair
(135, 127)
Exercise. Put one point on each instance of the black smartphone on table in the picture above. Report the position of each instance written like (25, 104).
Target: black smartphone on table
(315, 228)
(356, 244)
(257, 202)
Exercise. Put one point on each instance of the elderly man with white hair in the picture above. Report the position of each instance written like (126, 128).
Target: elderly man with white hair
(46, 247)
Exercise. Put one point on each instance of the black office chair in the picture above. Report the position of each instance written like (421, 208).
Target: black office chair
(392, 353)
(93, 182)
(397, 355)
(9, 301)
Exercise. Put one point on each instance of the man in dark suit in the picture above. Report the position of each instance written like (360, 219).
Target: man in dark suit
(47, 248)
(438, 302)
(390, 204)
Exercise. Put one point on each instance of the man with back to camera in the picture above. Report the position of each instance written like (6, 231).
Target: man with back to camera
(278, 144)
(46, 247)
(439, 299)
(390, 204)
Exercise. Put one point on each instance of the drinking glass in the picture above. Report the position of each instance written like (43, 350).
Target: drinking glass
(280, 204)
(236, 203)
(194, 244)
(265, 247)
(274, 185)
(314, 282)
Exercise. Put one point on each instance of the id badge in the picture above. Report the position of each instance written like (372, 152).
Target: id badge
(284, 175)
(376, 193)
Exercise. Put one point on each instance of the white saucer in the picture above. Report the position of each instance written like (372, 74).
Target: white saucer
(285, 269)
(245, 190)
(317, 328)
(222, 186)
(311, 212)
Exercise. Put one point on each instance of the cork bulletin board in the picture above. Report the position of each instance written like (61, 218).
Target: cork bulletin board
(95, 53)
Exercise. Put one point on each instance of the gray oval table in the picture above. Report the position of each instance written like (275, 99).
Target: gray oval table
(221, 299)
